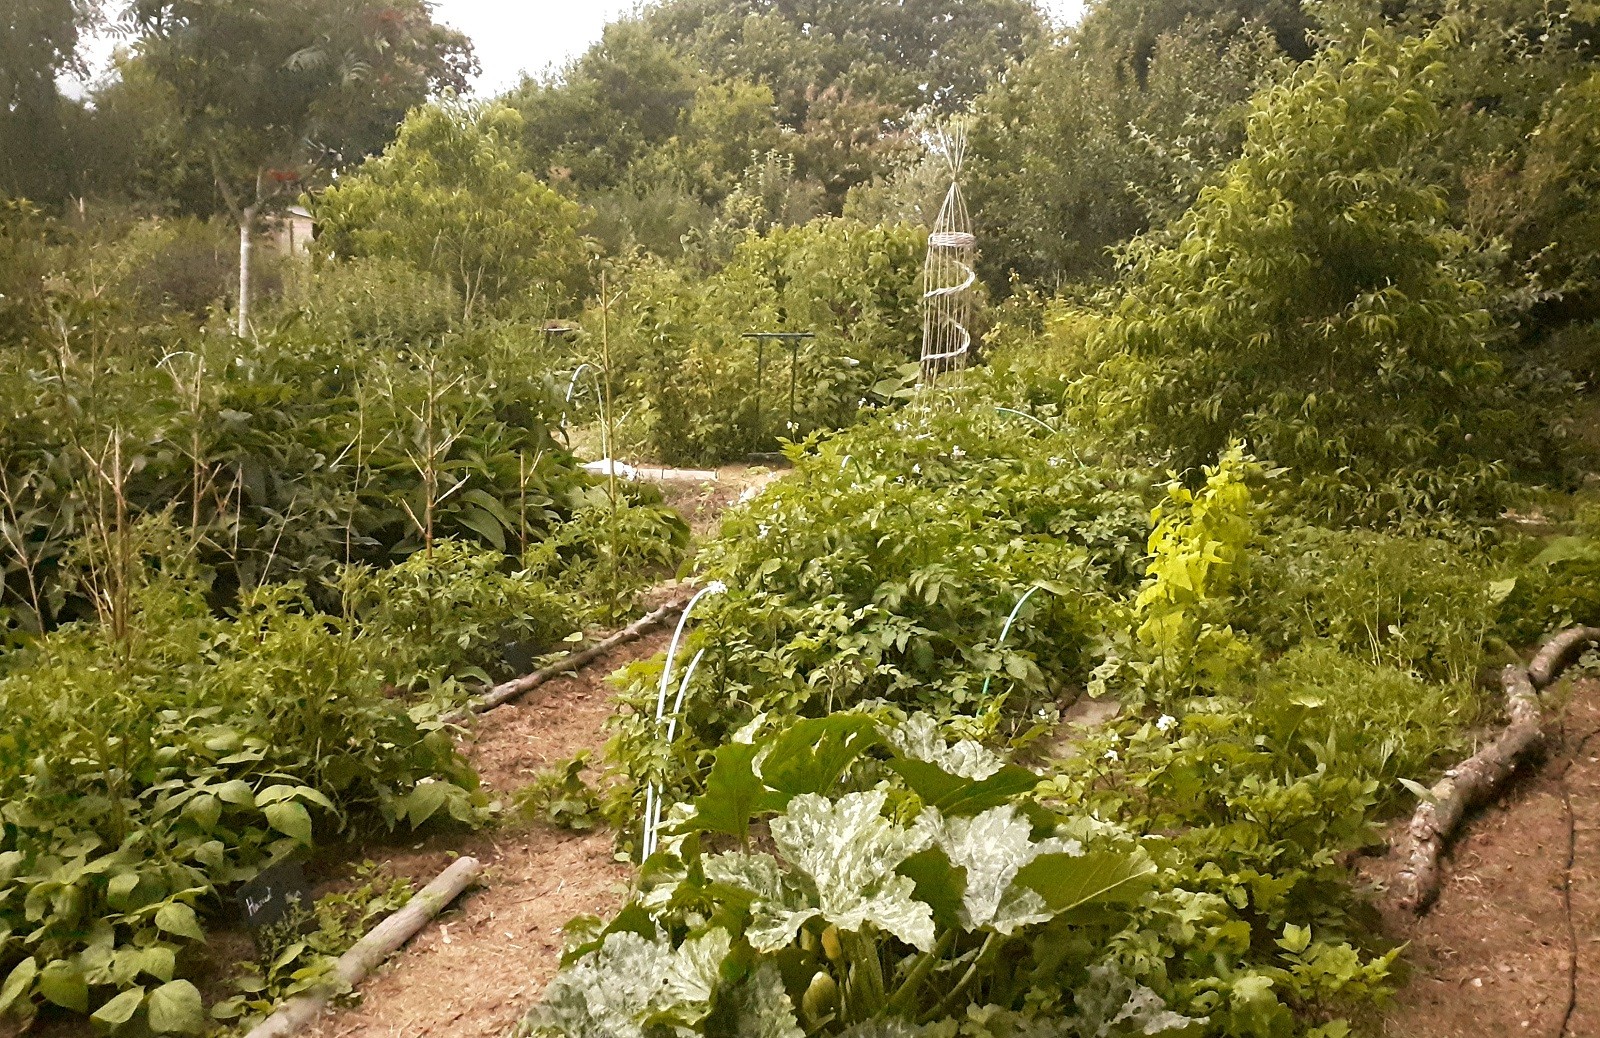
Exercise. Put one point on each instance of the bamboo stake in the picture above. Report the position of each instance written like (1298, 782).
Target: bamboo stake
(369, 952)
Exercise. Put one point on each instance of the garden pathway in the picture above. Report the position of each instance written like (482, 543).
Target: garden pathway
(1512, 947)
(478, 969)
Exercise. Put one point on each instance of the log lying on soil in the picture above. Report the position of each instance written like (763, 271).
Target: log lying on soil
(385, 939)
(506, 692)
(1558, 652)
(1477, 779)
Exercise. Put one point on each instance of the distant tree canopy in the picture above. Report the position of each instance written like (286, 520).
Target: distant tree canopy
(826, 83)
(284, 88)
(1115, 130)
(38, 42)
(449, 198)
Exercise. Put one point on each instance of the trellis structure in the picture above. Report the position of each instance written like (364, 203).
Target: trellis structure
(948, 277)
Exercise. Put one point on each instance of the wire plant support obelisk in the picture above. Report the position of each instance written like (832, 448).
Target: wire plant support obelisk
(948, 276)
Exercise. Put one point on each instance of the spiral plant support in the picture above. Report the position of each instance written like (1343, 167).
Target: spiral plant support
(948, 276)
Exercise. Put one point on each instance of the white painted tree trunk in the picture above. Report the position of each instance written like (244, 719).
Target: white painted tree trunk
(247, 222)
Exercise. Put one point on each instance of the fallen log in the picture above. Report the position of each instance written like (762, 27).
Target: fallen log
(1558, 653)
(1478, 779)
(369, 952)
(507, 691)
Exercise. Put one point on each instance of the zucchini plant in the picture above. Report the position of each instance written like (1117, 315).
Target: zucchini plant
(842, 878)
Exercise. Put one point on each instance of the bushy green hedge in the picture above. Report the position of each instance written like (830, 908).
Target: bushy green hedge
(688, 382)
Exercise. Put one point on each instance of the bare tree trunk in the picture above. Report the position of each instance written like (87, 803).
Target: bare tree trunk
(247, 221)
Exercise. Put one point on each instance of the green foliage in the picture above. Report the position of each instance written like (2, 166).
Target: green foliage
(885, 566)
(910, 885)
(451, 198)
(454, 612)
(290, 86)
(1316, 304)
(378, 303)
(705, 394)
(560, 796)
(1419, 604)
(875, 905)
(694, 93)
(1196, 550)
(1559, 586)
(153, 765)
(282, 458)
(298, 954)
(1115, 130)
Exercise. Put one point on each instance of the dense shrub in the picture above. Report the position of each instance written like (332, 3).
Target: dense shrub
(152, 763)
(699, 392)
(450, 197)
(282, 457)
(1316, 303)
(378, 303)
(1421, 604)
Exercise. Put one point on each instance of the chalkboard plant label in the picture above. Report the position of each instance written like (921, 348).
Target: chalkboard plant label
(278, 898)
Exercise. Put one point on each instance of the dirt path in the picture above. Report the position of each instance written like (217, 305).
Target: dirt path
(1513, 945)
(476, 971)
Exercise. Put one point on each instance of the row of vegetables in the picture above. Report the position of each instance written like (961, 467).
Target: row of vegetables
(883, 821)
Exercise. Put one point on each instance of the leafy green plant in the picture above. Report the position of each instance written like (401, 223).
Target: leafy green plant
(1419, 603)
(700, 392)
(298, 954)
(1316, 302)
(148, 770)
(907, 903)
(561, 797)
(885, 566)
(1181, 640)
(862, 874)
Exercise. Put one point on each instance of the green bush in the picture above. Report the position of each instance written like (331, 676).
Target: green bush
(1421, 604)
(375, 303)
(450, 196)
(1316, 303)
(282, 458)
(1559, 586)
(701, 393)
(150, 766)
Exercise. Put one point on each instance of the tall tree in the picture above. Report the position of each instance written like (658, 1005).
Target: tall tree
(271, 93)
(38, 42)
(450, 197)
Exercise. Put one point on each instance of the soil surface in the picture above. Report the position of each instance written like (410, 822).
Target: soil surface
(701, 502)
(1512, 946)
(476, 970)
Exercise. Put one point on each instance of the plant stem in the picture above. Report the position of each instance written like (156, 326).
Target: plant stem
(990, 945)
(901, 1000)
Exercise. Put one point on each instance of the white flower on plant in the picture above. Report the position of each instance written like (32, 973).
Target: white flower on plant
(762, 531)
(916, 470)
(1056, 463)
(716, 587)
(1166, 722)
(957, 453)
(1111, 755)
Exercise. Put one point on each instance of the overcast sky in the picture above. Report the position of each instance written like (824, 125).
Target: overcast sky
(516, 36)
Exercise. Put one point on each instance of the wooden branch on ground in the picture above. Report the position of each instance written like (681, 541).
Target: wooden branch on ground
(369, 952)
(1476, 780)
(1558, 653)
(505, 693)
